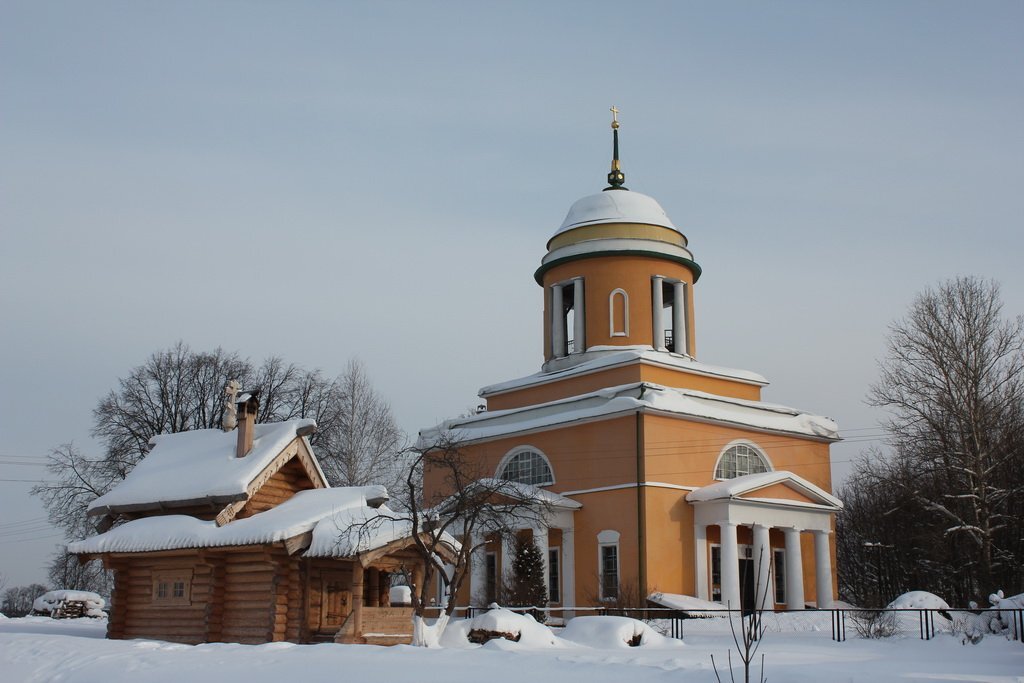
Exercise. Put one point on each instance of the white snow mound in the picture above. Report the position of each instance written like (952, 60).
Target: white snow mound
(918, 600)
(501, 620)
(613, 632)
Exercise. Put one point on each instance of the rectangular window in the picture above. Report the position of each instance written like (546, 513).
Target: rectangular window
(609, 572)
(716, 573)
(554, 576)
(172, 587)
(492, 578)
(780, 575)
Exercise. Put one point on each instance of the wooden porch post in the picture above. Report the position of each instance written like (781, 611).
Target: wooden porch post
(357, 601)
(384, 597)
(372, 586)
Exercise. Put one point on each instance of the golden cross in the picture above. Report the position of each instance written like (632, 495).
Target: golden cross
(615, 116)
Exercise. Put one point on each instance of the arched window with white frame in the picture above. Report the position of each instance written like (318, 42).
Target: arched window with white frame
(526, 465)
(740, 459)
(618, 313)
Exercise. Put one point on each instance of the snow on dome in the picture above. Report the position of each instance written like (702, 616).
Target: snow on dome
(615, 206)
(198, 465)
(918, 600)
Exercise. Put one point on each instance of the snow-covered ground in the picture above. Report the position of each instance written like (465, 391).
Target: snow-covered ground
(38, 649)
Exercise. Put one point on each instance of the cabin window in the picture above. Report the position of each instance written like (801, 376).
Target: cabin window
(527, 466)
(618, 313)
(608, 564)
(172, 587)
(554, 578)
(739, 460)
(779, 567)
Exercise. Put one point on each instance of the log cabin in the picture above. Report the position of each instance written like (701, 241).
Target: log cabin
(237, 537)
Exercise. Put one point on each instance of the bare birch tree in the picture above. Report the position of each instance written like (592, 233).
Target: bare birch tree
(364, 441)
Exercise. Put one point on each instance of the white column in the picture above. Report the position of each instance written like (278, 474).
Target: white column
(508, 554)
(557, 322)
(730, 566)
(540, 539)
(657, 306)
(700, 556)
(794, 570)
(823, 569)
(568, 572)
(763, 598)
(679, 339)
(579, 327)
(478, 572)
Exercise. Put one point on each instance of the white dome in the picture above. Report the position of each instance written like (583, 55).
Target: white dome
(615, 206)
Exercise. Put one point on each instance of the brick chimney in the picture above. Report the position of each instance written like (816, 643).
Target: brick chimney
(248, 406)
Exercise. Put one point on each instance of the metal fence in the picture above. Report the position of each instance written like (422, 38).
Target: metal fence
(840, 622)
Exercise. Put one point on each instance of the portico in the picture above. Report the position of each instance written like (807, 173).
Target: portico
(761, 502)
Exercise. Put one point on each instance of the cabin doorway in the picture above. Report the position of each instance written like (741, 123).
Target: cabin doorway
(335, 600)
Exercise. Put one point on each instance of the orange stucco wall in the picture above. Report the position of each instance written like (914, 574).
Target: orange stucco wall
(625, 374)
(604, 274)
(684, 452)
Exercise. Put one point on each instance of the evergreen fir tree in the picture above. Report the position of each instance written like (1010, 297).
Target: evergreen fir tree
(528, 588)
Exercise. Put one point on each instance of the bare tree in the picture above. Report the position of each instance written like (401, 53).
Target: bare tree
(67, 571)
(747, 638)
(953, 380)
(364, 441)
(17, 600)
(179, 389)
(451, 522)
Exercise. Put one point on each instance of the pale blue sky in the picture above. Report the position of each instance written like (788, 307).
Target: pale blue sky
(381, 179)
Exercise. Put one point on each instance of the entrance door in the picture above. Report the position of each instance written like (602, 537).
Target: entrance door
(747, 585)
(335, 600)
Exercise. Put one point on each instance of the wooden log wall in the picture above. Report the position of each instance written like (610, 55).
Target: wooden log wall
(138, 616)
(250, 599)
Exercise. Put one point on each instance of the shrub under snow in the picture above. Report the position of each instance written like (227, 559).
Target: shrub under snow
(918, 600)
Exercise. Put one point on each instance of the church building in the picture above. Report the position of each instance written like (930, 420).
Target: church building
(662, 474)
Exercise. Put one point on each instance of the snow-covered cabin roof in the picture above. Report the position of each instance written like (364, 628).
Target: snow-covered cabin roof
(334, 515)
(618, 206)
(622, 356)
(627, 398)
(732, 489)
(199, 467)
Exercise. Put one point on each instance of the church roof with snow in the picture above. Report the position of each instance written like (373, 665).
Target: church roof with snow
(628, 398)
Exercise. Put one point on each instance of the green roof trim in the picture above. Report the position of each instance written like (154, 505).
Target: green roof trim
(689, 263)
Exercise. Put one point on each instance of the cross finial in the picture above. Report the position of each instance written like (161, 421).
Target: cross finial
(616, 177)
